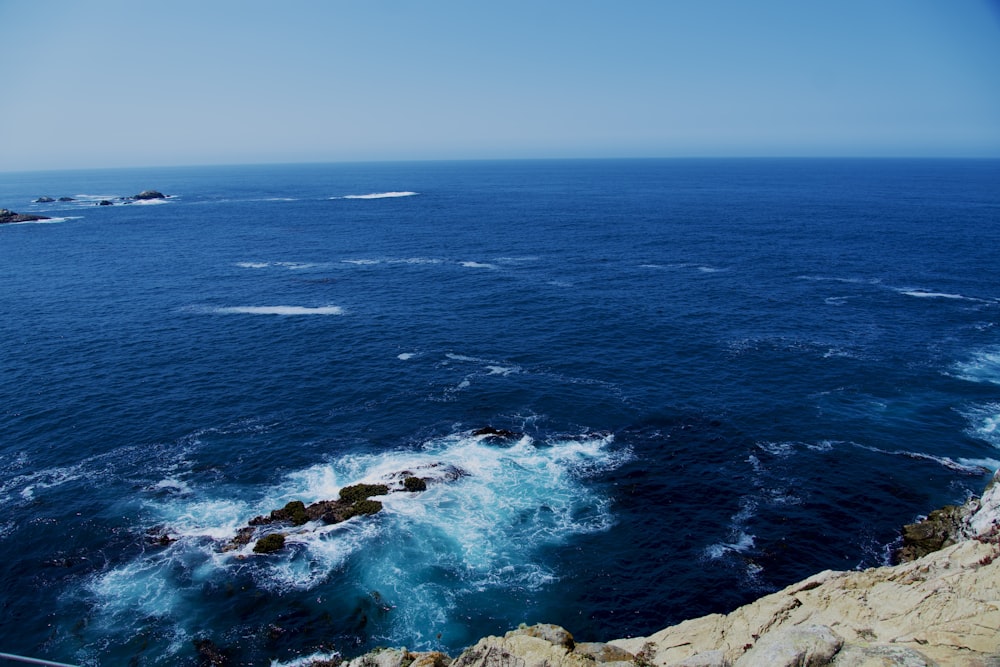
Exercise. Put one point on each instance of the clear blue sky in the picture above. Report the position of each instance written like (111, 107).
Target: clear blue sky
(95, 83)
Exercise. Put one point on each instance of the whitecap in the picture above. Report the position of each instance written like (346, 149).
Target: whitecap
(985, 422)
(925, 294)
(502, 370)
(253, 265)
(406, 356)
(781, 449)
(171, 485)
(279, 310)
(462, 357)
(310, 660)
(987, 464)
(416, 260)
(944, 461)
(362, 262)
(478, 265)
(379, 195)
(45, 221)
(984, 366)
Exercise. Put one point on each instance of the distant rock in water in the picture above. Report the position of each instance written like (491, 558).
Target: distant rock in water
(491, 432)
(66, 199)
(105, 202)
(44, 200)
(150, 194)
(7, 215)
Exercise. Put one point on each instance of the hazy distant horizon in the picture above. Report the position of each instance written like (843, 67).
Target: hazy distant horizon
(113, 84)
(622, 158)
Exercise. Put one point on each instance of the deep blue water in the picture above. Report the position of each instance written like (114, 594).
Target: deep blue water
(726, 374)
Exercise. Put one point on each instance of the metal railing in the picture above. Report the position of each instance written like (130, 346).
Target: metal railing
(33, 661)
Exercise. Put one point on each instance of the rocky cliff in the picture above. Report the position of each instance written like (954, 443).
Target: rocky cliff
(941, 608)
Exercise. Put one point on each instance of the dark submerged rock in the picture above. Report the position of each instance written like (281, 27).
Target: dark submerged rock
(269, 544)
(414, 484)
(356, 492)
(210, 655)
(44, 200)
(66, 199)
(7, 215)
(105, 202)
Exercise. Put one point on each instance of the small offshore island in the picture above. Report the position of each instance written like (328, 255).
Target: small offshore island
(9, 216)
(939, 606)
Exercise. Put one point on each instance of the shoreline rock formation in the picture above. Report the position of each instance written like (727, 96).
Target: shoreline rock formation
(935, 608)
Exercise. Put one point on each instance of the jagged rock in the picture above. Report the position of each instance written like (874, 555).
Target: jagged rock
(414, 484)
(430, 659)
(269, 544)
(606, 653)
(105, 202)
(44, 200)
(706, 659)
(553, 634)
(881, 656)
(942, 528)
(7, 215)
(356, 492)
(797, 646)
(355, 500)
(150, 194)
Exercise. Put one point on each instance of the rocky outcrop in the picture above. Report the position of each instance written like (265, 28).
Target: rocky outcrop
(149, 194)
(44, 200)
(7, 216)
(354, 500)
(938, 609)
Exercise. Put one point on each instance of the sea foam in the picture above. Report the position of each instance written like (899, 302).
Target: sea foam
(279, 310)
(379, 195)
(478, 529)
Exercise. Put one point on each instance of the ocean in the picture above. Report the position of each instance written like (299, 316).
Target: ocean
(711, 378)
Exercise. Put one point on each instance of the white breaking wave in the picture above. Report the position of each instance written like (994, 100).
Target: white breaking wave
(924, 294)
(985, 423)
(406, 356)
(379, 195)
(47, 221)
(478, 265)
(292, 266)
(278, 310)
(983, 367)
(481, 525)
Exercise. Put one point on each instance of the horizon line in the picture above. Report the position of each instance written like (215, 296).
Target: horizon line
(289, 163)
